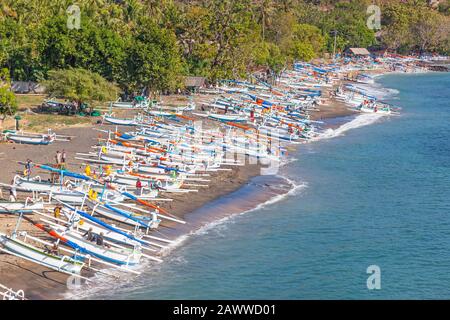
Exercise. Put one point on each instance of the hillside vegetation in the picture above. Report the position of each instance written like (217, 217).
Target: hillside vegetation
(154, 43)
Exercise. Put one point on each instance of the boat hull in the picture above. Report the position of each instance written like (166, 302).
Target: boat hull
(20, 248)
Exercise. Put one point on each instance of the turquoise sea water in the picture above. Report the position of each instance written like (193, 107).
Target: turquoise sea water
(374, 195)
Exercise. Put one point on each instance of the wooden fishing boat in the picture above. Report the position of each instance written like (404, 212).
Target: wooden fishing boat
(375, 109)
(9, 294)
(227, 118)
(83, 226)
(9, 207)
(160, 113)
(149, 181)
(22, 249)
(122, 216)
(28, 138)
(111, 254)
(35, 184)
(119, 121)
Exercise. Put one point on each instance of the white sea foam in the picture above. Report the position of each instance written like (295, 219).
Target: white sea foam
(295, 188)
(105, 281)
(360, 121)
(377, 90)
(287, 160)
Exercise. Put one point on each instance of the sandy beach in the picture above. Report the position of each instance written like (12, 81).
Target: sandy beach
(40, 283)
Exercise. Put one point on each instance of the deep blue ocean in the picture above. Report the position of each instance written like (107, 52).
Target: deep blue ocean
(374, 195)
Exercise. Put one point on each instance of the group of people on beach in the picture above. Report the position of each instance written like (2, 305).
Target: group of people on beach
(99, 239)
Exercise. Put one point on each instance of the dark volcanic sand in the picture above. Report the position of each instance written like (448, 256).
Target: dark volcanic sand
(41, 283)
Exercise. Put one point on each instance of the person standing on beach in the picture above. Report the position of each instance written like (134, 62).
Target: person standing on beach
(13, 192)
(58, 157)
(87, 170)
(63, 159)
(27, 171)
(57, 212)
(139, 186)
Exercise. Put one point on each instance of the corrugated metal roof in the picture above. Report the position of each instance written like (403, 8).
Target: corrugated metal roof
(194, 81)
(27, 87)
(360, 51)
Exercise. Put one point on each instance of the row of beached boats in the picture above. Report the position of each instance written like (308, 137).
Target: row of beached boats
(359, 99)
(111, 215)
(164, 151)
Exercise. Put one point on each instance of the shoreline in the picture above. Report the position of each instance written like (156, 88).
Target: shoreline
(34, 279)
(39, 285)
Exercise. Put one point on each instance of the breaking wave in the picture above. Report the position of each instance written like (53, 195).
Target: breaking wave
(360, 121)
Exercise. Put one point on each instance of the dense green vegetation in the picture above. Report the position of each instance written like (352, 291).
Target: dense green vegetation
(8, 103)
(80, 85)
(151, 44)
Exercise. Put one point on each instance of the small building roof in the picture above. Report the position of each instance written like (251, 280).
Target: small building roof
(27, 87)
(359, 51)
(194, 81)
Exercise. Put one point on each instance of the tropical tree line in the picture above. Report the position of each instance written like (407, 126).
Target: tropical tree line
(154, 43)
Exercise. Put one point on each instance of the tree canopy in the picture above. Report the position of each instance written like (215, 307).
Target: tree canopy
(152, 44)
(80, 85)
(8, 103)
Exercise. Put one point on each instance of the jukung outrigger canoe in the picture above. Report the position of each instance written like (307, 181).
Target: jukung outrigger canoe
(118, 121)
(9, 294)
(11, 207)
(29, 138)
(14, 246)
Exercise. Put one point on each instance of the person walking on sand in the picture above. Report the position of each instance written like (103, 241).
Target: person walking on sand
(63, 159)
(13, 192)
(252, 115)
(27, 171)
(87, 170)
(58, 157)
(57, 212)
(139, 187)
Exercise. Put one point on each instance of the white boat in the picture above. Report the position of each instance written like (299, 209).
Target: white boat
(364, 78)
(22, 249)
(227, 118)
(123, 104)
(26, 138)
(119, 121)
(116, 255)
(35, 184)
(6, 206)
(10, 294)
(160, 113)
(83, 225)
(375, 109)
(127, 217)
(67, 196)
(148, 182)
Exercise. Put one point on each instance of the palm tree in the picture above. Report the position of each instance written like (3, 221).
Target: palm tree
(266, 9)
